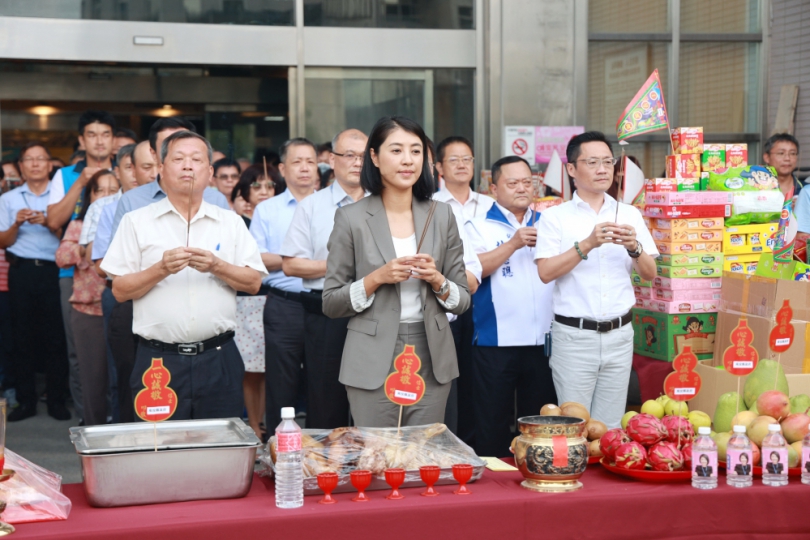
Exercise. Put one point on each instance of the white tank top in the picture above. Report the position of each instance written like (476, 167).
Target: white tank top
(410, 297)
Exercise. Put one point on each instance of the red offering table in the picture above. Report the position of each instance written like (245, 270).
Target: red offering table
(607, 507)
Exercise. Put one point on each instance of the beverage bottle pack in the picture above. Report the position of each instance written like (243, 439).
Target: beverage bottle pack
(774, 457)
(739, 460)
(289, 466)
(806, 459)
(704, 460)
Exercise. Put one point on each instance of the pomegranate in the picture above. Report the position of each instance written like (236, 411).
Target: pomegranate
(773, 403)
(678, 426)
(631, 456)
(611, 440)
(646, 429)
(665, 456)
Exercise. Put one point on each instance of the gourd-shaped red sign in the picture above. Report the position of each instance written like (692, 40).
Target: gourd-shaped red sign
(405, 386)
(684, 383)
(781, 337)
(156, 402)
(740, 358)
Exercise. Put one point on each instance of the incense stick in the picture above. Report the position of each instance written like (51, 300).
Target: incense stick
(619, 192)
(264, 160)
(188, 224)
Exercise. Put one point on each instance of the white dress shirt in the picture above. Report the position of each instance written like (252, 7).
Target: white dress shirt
(598, 288)
(92, 217)
(271, 220)
(188, 306)
(477, 205)
(311, 225)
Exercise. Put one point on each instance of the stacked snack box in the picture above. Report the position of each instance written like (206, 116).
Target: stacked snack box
(744, 244)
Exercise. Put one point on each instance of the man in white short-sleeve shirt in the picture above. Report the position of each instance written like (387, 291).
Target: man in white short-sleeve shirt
(183, 280)
(590, 254)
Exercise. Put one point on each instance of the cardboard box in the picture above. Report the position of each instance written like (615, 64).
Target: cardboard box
(716, 223)
(663, 336)
(642, 292)
(689, 260)
(713, 158)
(736, 155)
(688, 248)
(677, 284)
(792, 271)
(686, 295)
(741, 264)
(638, 282)
(689, 198)
(697, 271)
(687, 140)
(669, 185)
(716, 382)
(743, 239)
(684, 166)
(695, 306)
(691, 211)
(693, 235)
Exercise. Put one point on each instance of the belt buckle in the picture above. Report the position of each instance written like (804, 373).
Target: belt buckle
(599, 327)
(189, 349)
(37, 262)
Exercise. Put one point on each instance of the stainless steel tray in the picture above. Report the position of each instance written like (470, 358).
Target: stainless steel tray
(196, 459)
(412, 479)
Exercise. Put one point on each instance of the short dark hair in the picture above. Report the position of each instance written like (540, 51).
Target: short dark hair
(185, 134)
(252, 174)
(26, 147)
(226, 162)
(170, 122)
(508, 160)
(81, 154)
(779, 137)
(125, 132)
(13, 164)
(126, 151)
(370, 177)
(91, 117)
(440, 150)
(91, 186)
(573, 150)
(326, 147)
(296, 141)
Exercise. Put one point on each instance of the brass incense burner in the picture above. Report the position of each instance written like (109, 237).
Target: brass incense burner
(551, 453)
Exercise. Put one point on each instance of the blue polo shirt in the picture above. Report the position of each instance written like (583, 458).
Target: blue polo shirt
(33, 241)
(271, 220)
(66, 177)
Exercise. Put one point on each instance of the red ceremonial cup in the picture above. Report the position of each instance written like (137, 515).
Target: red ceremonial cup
(462, 473)
(430, 474)
(327, 481)
(394, 478)
(361, 480)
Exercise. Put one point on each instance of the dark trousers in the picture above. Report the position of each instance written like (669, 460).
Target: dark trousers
(39, 334)
(124, 345)
(208, 385)
(6, 340)
(91, 352)
(284, 342)
(327, 402)
(107, 304)
(462, 329)
(500, 373)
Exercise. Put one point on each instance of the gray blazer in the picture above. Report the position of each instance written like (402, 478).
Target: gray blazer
(361, 243)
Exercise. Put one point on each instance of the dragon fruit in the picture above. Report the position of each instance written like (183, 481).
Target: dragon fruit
(686, 452)
(646, 429)
(631, 456)
(676, 423)
(665, 456)
(611, 440)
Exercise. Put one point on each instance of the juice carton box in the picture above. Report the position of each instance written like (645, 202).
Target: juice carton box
(693, 259)
(677, 284)
(742, 264)
(688, 248)
(684, 166)
(689, 198)
(692, 306)
(693, 271)
(688, 211)
(667, 185)
(686, 295)
(713, 158)
(736, 155)
(663, 336)
(695, 224)
(687, 140)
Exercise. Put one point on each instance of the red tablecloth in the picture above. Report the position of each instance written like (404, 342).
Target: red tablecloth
(608, 507)
(651, 374)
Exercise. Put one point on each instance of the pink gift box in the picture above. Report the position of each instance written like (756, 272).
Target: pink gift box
(681, 198)
(642, 292)
(689, 235)
(686, 295)
(679, 284)
(662, 306)
(688, 211)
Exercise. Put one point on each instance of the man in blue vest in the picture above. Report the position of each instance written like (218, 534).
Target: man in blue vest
(96, 129)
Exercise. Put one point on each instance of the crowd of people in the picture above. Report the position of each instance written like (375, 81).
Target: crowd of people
(295, 281)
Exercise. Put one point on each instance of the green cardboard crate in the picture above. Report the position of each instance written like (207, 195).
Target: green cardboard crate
(692, 271)
(663, 336)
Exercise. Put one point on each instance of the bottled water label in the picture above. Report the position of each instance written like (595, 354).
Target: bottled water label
(806, 459)
(288, 442)
(705, 463)
(738, 463)
(775, 461)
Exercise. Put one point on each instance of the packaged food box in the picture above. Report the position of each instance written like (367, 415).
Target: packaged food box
(638, 282)
(704, 180)
(696, 271)
(689, 198)
(710, 223)
(684, 166)
(642, 292)
(736, 155)
(741, 264)
(689, 235)
(677, 284)
(686, 295)
(689, 211)
(688, 248)
(648, 222)
(694, 259)
(666, 185)
(687, 140)
(713, 158)
(692, 306)
(663, 337)
(792, 271)
(756, 238)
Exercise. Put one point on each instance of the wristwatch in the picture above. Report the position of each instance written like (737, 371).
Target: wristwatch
(443, 289)
(638, 251)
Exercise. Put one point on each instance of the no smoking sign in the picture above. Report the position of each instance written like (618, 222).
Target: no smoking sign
(520, 147)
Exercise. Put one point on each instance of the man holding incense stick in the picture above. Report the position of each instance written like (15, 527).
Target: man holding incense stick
(589, 251)
(182, 275)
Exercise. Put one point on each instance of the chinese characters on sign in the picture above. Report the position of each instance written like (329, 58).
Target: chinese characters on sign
(405, 386)
(156, 401)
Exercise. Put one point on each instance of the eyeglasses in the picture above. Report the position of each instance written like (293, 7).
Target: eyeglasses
(38, 159)
(594, 163)
(791, 155)
(351, 157)
(512, 183)
(260, 185)
(456, 161)
(228, 176)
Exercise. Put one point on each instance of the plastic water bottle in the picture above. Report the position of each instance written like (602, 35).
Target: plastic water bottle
(704, 460)
(739, 453)
(289, 469)
(774, 457)
(806, 459)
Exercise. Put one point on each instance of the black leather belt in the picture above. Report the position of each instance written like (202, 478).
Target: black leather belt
(294, 296)
(601, 327)
(189, 349)
(17, 261)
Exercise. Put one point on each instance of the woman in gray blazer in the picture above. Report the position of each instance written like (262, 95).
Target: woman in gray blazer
(395, 295)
